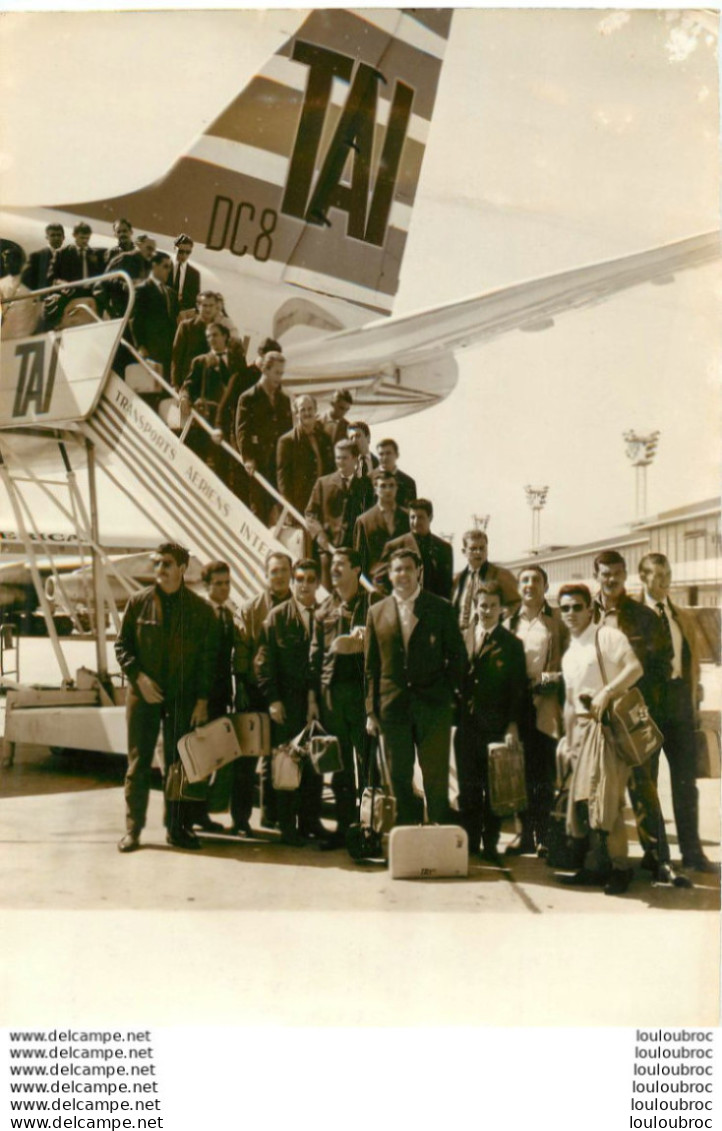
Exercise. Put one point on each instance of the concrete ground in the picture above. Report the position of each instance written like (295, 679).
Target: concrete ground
(62, 815)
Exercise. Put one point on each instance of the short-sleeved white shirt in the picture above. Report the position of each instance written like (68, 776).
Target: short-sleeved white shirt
(580, 665)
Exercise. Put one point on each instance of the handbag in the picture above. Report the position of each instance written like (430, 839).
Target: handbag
(507, 781)
(324, 750)
(565, 853)
(630, 726)
(368, 839)
(286, 762)
(179, 788)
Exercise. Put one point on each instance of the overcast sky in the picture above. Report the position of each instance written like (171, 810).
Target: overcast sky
(560, 138)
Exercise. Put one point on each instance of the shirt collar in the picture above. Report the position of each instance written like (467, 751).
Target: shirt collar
(407, 600)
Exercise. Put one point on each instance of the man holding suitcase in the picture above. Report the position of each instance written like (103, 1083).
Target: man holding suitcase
(493, 707)
(415, 661)
(167, 648)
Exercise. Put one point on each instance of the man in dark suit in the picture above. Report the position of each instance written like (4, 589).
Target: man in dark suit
(336, 502)
(388, 451)
(39, 271)
(185, 280)
(475, 548)
(249, 696)
(436, 555)
(359, 432)
(337, 667)
(379, 525)
(216, 577)
(284, 677)
(677, 711)
(263, 415)
(205, 391)
(78, 260)
(136, 261)
(190, 337)
(415, 661)
(492, 709)
(123, 231)
(613, 606)
(334, 420)
(155, 314)
(303, 454)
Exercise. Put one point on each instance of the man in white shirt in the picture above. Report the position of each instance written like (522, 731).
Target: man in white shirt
(599, 776)
(677, 711)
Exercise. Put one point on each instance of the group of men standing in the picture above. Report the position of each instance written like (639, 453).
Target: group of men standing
(405, 669)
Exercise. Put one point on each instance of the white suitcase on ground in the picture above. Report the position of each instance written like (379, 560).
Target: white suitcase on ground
(206, 749)
(428, 852)
(253, 731)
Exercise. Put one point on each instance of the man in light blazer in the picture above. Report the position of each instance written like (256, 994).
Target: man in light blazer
(415, 663)
(475, 548)
(676, 715)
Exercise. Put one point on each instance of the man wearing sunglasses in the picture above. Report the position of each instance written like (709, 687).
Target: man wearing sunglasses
(599, 776)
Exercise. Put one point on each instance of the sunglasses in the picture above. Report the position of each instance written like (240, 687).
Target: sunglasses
(577, 608)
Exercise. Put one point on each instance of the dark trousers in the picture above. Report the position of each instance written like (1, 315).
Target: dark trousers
(676, 722)
(344, 715)
(471, 748)
(540, 773)
(648, 812)
(297, 808)
(144, 724)
(426, 734)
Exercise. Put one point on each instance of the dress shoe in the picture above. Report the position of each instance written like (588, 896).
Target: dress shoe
(294, 839)
(314, 831)
(268, 822)
(492, 857)
(618, 882)
(649, 862)
(700, 864)
(183, 838)
(243, 830)
(332, 842)
(523, 847)
(207, 825)
(665, 876)
(542, 851)
(585, 878)
(129, 843)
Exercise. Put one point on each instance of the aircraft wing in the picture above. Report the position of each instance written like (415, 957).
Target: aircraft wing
(407, 350)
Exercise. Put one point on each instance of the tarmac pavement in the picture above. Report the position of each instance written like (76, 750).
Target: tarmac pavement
(61, 816)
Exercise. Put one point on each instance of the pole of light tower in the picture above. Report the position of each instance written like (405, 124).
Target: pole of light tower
(640, 453)
(481, 521)
(536, 497)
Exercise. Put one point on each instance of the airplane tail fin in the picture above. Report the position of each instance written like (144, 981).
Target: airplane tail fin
(309, 175)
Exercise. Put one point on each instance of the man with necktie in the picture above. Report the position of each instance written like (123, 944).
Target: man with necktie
(78, 260)
(39, 271)
(613, 606)
(263, 415)
(216, 378)
(415, 661)
(677, 711)
(284, 678)
(359, 432)
(381, 524)
(303, 455)
(475, 548)
(185, 280)
(336, 502)
(155, 313)
(216, 577)
(493, 706)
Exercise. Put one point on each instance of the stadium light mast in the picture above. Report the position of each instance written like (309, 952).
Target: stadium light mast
(481, 521)
(536, 497)
(641, 451)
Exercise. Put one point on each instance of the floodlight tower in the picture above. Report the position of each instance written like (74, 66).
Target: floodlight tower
(536, 497)
(641, 451)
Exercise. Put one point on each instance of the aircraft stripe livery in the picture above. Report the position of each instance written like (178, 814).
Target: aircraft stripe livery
(317, 192)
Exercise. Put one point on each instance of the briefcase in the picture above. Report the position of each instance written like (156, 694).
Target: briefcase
(708, 753)
(253, 731)
(207, 748)
(378, 809)
(507, 785)
(428, 852)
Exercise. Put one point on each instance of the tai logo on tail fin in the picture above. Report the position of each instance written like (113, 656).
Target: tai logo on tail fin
(309, 176)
